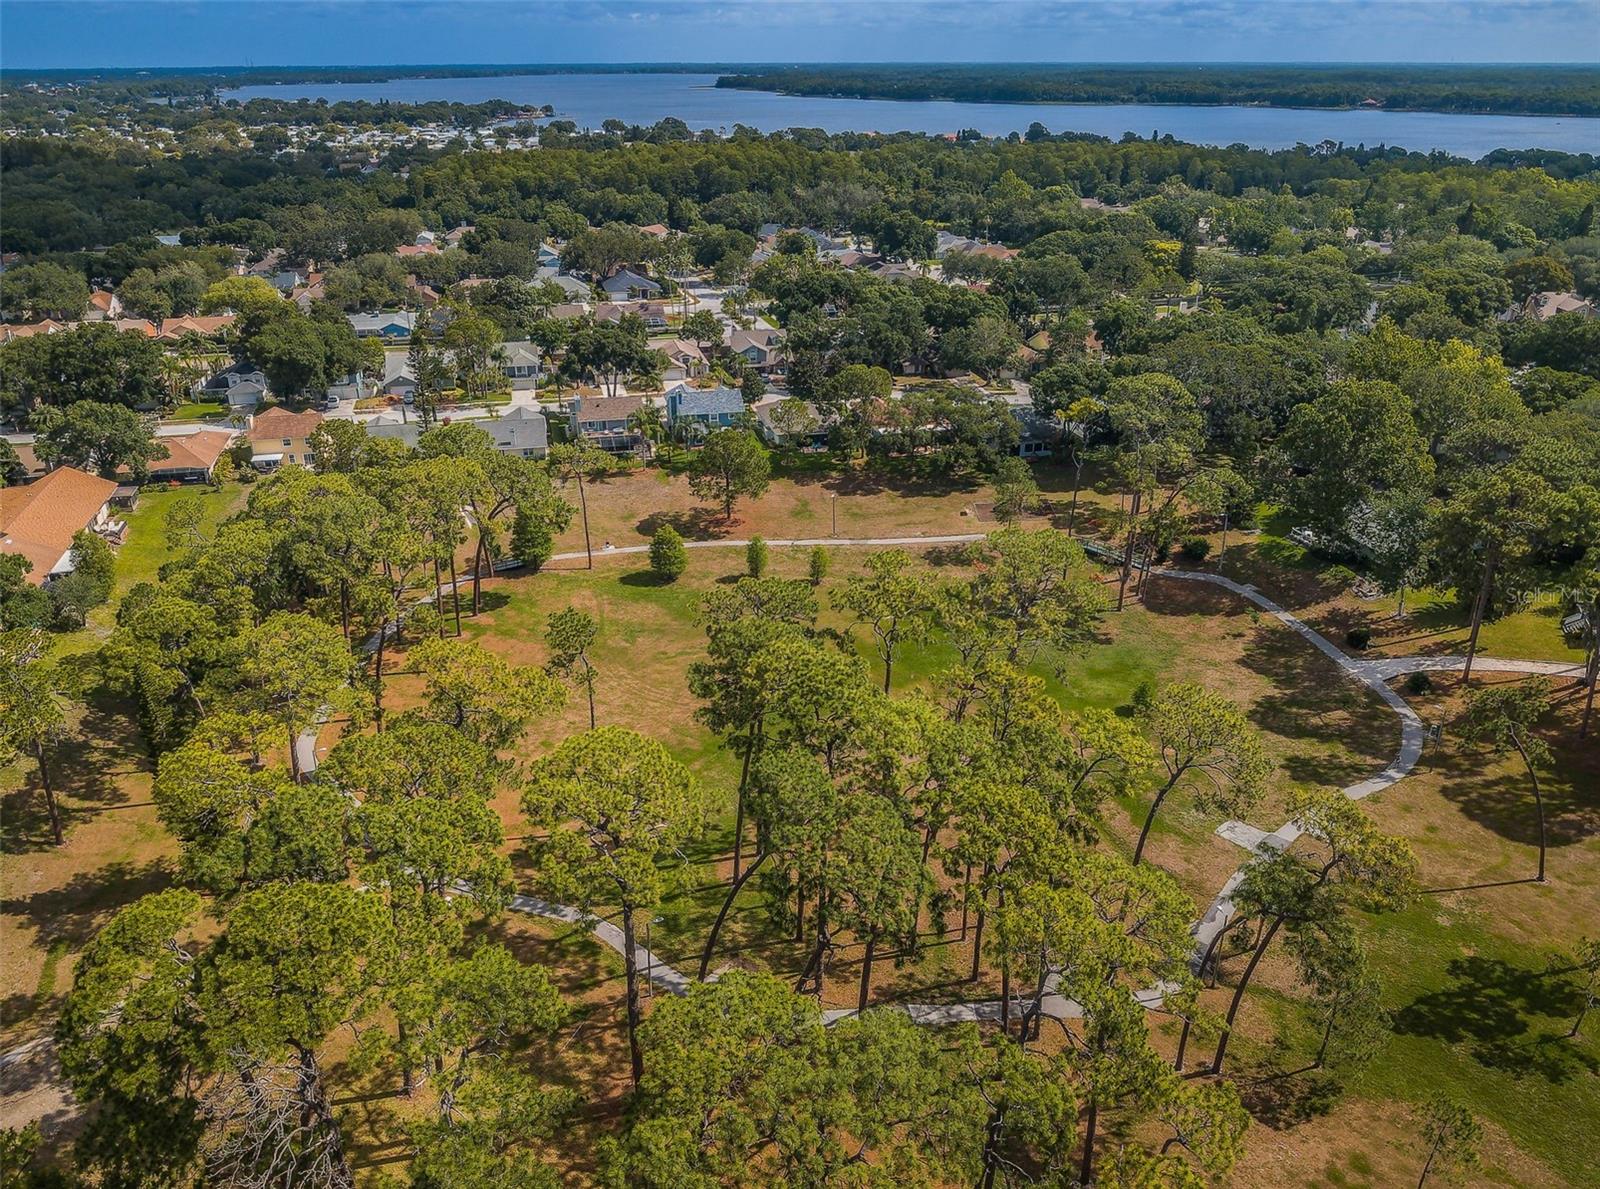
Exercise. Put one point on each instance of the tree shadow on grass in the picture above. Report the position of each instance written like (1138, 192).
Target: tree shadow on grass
(695, 524)
(1283, 1100)
(902, 477)
(491, 600)
(1501, 799)
(1313, 703)
(647, 579)
(89, 771)
(76, 911)
(1487, 1008)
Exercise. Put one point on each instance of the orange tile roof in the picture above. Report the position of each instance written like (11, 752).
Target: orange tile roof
(102, 299)
(202, 324)
(143, 326)
(38, 521)
(29, 329)
(192, 451)
(416, 250)
(278, 423)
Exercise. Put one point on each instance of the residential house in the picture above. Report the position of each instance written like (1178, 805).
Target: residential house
(652, 313)
(521, 430)
(761, 348)
(103, 304)
(242, 386)
(1039, 434)
(315, 289)
(714, 408)
(453, 237)
(572, 286)
(27, 330)
(894, 270)
(136, 325)
(627, 285)
(765, 410)
(826, 244)
(39, 520)
(548, 257)
(405, 251)
(191, 456)
(1543, 306)
(287, 280)
(391, 326)
(28, 466)
(424, 238)
(207, 326)
(397, 378)
(656, 230)
(521, 360)
(605, 421)
(427, 296)
(280, 438)
(569, 309)
(354, 386)
(685, 360)
(267, 267)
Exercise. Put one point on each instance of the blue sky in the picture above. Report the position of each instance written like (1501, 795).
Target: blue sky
(50, 33)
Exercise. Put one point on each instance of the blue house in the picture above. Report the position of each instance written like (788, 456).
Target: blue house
(715, 408)
(391, 327)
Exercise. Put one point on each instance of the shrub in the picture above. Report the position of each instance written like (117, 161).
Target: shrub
(423, 622)
(531, 540)
(755, 557)
(668, 557)
(1144, 696)
(819, 565)
(1419, 683)
(1358, 637)
(1196, 548)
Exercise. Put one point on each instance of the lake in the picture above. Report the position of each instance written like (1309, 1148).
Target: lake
(588, 99)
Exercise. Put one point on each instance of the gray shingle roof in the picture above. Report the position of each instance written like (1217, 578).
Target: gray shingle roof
(708, 402)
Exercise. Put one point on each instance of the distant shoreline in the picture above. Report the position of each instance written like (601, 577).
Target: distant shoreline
(1551, 90)
(1159, 103)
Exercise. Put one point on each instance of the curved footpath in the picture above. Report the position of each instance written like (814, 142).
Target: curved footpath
(1374, 674)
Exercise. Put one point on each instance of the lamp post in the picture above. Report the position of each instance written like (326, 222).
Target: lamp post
(835, 507)
(1222, 554)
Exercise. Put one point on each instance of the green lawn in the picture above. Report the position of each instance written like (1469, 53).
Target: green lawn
(144, 551)
(1478, 1017)
(198, 410)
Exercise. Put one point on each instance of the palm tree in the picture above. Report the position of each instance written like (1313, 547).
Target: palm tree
(649, 422)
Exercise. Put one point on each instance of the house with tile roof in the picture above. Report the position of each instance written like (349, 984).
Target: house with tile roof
(39, 521)
(191, 457)
(103, 304)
